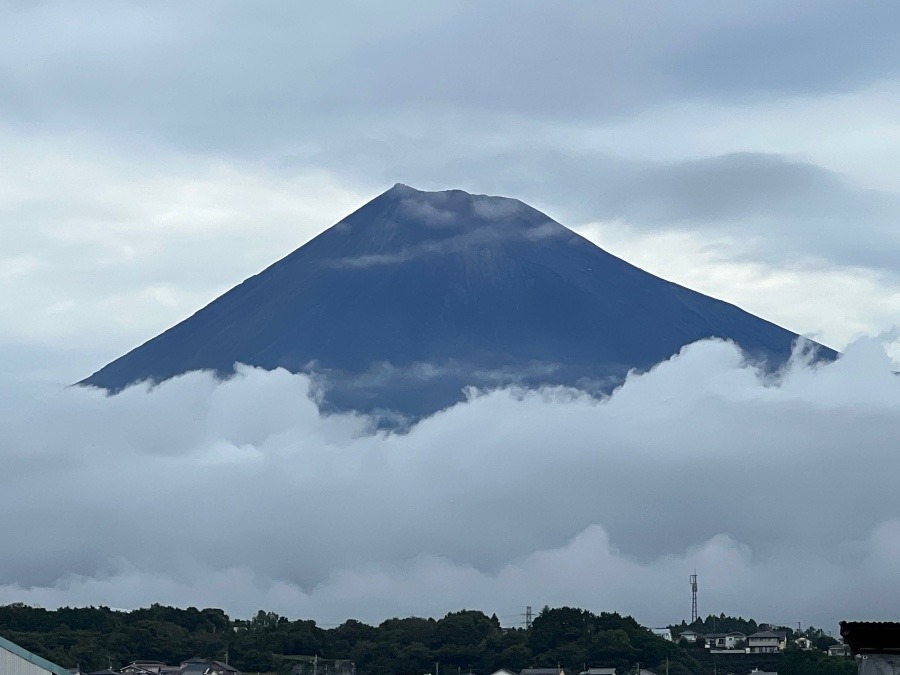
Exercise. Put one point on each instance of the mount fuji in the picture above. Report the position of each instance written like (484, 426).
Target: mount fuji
(404, 303)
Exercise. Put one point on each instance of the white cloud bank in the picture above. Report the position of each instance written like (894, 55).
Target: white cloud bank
(136, 239)
(239, 494)
(823, 300)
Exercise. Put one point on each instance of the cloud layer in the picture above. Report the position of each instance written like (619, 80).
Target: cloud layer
(155, 156)
(239, 494)
(198, 74)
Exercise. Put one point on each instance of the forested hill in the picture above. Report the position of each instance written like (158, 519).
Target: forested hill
(461, 642)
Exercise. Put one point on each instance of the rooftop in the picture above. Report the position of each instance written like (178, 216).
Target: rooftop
(871, 637)
(770, 634)
(26, 655)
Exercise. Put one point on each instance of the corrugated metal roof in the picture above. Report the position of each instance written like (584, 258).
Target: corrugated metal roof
(871, 636)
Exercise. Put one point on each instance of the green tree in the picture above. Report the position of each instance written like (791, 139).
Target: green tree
(797, 662)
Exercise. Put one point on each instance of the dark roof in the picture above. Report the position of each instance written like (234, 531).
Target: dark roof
(541, 671)
(871, 637)
(194, 667)
(144, 664)
(770, 634)
(104, 672)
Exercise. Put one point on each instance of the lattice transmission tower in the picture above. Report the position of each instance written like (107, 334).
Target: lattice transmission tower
(694, 596)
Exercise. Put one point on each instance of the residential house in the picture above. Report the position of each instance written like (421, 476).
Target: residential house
(689, 635)
(767, 642)
(144, 668)
(804, 643)
(219, 668)
(504, 671)
(543, 671)
(724, 640)
(19, 661)
(839, 650)
(598, 671)
(664, 633)
(194, 666)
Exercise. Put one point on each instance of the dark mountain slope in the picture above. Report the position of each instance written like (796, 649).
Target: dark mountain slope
(417, 294)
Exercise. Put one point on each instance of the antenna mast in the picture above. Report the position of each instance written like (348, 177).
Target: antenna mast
(694, 597)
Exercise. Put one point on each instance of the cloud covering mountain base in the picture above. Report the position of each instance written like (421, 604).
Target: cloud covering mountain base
(781, 492)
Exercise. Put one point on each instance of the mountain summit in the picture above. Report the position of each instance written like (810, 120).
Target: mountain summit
(405, 302)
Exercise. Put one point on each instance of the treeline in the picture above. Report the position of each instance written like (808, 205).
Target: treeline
(461, 642)
(719, 624)
(464, 641)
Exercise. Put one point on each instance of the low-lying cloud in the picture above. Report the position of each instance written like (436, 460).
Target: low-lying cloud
(781, 493)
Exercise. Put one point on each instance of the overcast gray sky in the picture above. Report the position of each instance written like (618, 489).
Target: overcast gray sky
(156, 154)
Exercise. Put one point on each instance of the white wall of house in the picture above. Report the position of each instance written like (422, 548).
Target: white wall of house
(764, 644)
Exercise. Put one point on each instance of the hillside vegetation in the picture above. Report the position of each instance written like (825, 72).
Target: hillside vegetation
(461, 642)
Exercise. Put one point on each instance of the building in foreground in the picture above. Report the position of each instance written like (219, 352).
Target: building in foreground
(876, 644)
(16, 660)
